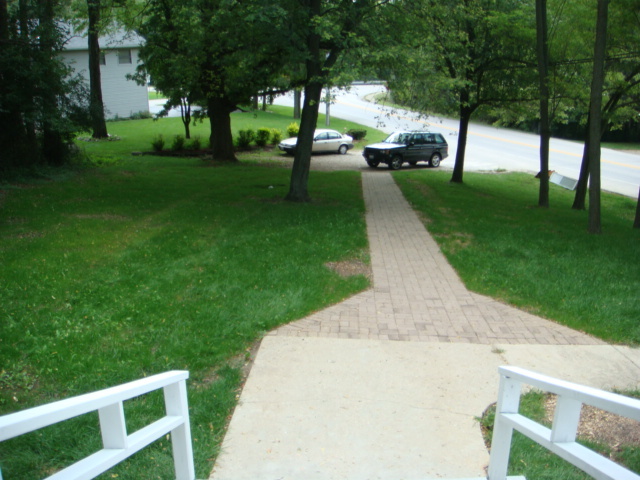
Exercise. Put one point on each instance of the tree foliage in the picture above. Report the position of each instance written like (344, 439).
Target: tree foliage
(41, 106)
(214, 53)
(463, 55)
(621, 88)
(322, 33)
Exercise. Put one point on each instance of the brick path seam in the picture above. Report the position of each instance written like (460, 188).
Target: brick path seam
(417, 296)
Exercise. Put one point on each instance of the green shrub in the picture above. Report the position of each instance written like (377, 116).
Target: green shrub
(262, 136)
(158, 143)
(276, 136)
(141, 115)
(293, 129)
(195, 143)
(178, 143)
(357, 134)
(245, 138)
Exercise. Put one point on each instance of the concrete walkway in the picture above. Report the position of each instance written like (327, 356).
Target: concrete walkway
(387, 384)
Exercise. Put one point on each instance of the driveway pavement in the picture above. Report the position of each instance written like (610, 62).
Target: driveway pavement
(387, 384)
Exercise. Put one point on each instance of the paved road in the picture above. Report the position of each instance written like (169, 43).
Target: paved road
(488, 148)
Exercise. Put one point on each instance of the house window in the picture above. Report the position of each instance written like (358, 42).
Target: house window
(124, 56)
(103, 58)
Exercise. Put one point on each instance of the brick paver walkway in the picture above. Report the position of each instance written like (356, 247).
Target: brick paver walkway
(416, 294)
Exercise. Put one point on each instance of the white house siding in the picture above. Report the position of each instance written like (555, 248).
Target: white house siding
(121, 97)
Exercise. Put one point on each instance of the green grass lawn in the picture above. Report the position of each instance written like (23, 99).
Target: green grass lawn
(148, 264)
(622, 146)
(541, 260)
(138, 135)
(132, 266)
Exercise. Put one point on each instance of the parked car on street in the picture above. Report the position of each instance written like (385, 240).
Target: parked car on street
(323, 141)
(407, 146)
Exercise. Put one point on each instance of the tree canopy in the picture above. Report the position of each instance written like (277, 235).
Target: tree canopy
(215, 53)
(41, 104)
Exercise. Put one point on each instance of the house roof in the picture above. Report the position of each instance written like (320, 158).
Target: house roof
(118, 39)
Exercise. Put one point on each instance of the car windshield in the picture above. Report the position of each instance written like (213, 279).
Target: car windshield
(398, 137)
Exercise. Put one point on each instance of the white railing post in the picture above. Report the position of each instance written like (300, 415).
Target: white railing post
(508, 402)
(117, 445)
(112, 426)
(560, 439)
(175, 399)
(565, 419)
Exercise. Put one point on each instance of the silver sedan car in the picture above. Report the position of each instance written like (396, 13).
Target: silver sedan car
(323, 141)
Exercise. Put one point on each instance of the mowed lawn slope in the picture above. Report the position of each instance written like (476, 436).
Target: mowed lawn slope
(542, 260)
(148, 264)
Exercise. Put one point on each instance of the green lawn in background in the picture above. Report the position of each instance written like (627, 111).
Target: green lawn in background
(621, 146)
(154, 95)
(146, 264)
(138, 135)
(541, 260)
(149, 264)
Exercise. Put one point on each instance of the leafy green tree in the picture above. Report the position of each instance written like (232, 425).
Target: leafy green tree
(622, 80)
(41, 106)
(322, 32)
(463, 55)
(216, 53)
(166, 57)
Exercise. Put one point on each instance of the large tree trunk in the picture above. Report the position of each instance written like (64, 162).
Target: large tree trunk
(11, 125)
(543, 69)
(96, 105)
(579, 200)
(27, 111)
(298, 187)
(185, 115)
(465, 118)
(595, 115)
(296, 103)
(221, 139)
(54, 148)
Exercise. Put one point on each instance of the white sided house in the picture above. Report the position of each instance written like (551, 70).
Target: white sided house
(119, 57)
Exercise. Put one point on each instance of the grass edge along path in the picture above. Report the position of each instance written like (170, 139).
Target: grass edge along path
(151, 264)
(541, 260)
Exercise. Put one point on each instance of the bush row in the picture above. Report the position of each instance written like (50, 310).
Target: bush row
(179, 143)
(261, 137)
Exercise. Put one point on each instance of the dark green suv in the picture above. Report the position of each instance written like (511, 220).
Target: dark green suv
(407, 146)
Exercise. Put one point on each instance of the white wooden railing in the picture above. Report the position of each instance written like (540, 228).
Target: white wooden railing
(561, 438)
(117, 445)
